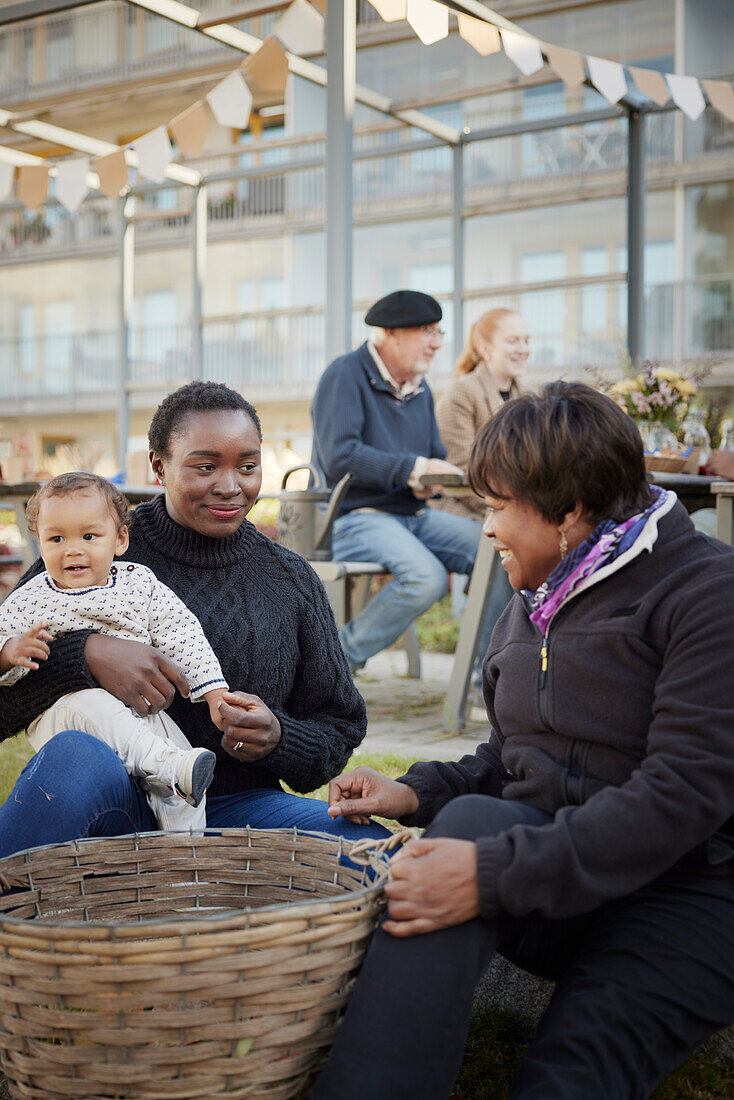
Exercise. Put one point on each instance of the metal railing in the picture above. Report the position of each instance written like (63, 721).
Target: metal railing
(113, 41)
(282, 184)
(280, 353)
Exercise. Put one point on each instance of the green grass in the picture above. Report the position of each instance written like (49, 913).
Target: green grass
(14, 754)
(497, 1040)
(437, 631)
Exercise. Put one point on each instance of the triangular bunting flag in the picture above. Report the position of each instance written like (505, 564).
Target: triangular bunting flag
(652, 84)
(154, 154)
(71, 182)
(112, 172)
(568, 64)
(267, 68)
(608, 78)
(190, 129)
(429, 20)
(391, 10)
(301, 28)
(7, 172)
(721, 96)
(231, 101)
(483, 37)
(687, 94)
(523, 51)
(32, 187)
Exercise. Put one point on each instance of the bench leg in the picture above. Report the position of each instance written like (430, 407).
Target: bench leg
(409, 642)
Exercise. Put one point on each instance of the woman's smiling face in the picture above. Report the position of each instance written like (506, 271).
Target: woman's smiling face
(212, 472)
(528, 544)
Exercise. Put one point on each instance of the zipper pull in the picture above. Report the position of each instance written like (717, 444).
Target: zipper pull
(543, 661)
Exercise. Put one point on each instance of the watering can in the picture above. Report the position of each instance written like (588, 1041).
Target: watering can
(307, 515)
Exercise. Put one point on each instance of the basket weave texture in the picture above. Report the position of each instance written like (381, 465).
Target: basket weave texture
(169, 965)
(668, 464)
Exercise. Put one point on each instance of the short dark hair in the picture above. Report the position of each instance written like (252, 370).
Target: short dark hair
(569, 443)
(194, 397)
(75, 482)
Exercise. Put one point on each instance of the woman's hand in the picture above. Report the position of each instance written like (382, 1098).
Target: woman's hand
(433, 885)
(251, 730)
(135, 673)
(358, 794)
(721, 464)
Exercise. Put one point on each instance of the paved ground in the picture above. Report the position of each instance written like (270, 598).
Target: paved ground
(405, 715)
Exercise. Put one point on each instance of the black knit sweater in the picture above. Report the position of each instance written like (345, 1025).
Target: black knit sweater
(268, 620)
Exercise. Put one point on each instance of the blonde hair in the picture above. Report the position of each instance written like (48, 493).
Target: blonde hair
(482, 329)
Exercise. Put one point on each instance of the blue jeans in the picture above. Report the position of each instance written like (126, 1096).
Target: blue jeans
(76, 787)
(420, 551)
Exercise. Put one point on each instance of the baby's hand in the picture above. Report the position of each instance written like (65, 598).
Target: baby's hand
(213, 699)
(21, 650)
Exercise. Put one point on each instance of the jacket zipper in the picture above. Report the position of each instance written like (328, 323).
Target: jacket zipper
(542, 697)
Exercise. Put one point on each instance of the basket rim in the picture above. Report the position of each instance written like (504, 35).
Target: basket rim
(221, 915)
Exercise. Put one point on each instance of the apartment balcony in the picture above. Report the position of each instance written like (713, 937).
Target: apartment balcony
(278, 355)
(113, 42)
(281, 186)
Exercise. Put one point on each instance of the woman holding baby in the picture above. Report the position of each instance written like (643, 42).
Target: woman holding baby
(291, 713)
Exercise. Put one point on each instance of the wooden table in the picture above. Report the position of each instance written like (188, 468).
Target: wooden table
(724, 493)
(15, 497)
(694, 491)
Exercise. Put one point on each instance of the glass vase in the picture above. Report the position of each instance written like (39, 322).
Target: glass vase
(656, 437)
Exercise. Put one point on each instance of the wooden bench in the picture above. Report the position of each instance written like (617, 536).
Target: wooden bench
(347, 585)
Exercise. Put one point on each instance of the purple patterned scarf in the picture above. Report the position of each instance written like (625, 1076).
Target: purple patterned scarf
(607, 542)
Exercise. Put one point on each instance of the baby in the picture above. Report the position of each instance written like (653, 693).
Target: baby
(81, 522)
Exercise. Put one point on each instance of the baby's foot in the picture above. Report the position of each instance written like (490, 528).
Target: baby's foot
(194, 774)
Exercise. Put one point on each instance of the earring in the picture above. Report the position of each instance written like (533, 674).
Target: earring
(563, 545)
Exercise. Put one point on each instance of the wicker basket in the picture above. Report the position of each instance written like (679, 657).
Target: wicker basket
(169, 965)
(665, 464)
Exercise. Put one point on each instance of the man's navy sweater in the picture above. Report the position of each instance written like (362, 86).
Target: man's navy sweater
(363, 427)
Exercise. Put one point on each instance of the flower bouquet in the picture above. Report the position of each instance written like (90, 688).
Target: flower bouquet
(657, 399)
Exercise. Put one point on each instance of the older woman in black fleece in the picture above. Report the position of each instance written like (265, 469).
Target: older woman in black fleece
(591, 840)
(293, 713)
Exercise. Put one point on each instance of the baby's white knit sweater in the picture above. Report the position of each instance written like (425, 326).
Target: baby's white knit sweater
(133, 604)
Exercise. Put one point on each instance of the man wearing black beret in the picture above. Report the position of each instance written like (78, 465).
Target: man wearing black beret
(373, 418)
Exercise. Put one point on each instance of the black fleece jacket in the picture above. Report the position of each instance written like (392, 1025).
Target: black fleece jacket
(268, 620)
(628, 740)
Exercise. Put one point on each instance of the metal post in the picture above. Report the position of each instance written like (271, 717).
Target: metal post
(198, 264)
(457, 233)
(341, 54)
(636, 236)
(126, 264)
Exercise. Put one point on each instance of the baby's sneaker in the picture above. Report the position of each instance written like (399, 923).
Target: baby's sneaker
(194, 774)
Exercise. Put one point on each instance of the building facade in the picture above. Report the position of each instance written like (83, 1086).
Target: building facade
(543, 217)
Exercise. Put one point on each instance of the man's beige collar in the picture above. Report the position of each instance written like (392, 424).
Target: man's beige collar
(407, 387)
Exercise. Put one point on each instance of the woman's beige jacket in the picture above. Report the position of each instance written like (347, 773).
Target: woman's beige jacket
(469, 402)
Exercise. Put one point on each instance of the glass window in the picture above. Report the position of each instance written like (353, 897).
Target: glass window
(27, 333)
(58, 339)
(710, 229)
(59, 48)
(539, 267)
(594, 261)
(157, 335)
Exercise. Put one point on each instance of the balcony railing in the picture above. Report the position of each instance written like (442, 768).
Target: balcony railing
(282, 184)
(279, 354)
(113, 41)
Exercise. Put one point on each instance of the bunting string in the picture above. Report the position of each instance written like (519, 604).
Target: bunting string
(300, 30)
